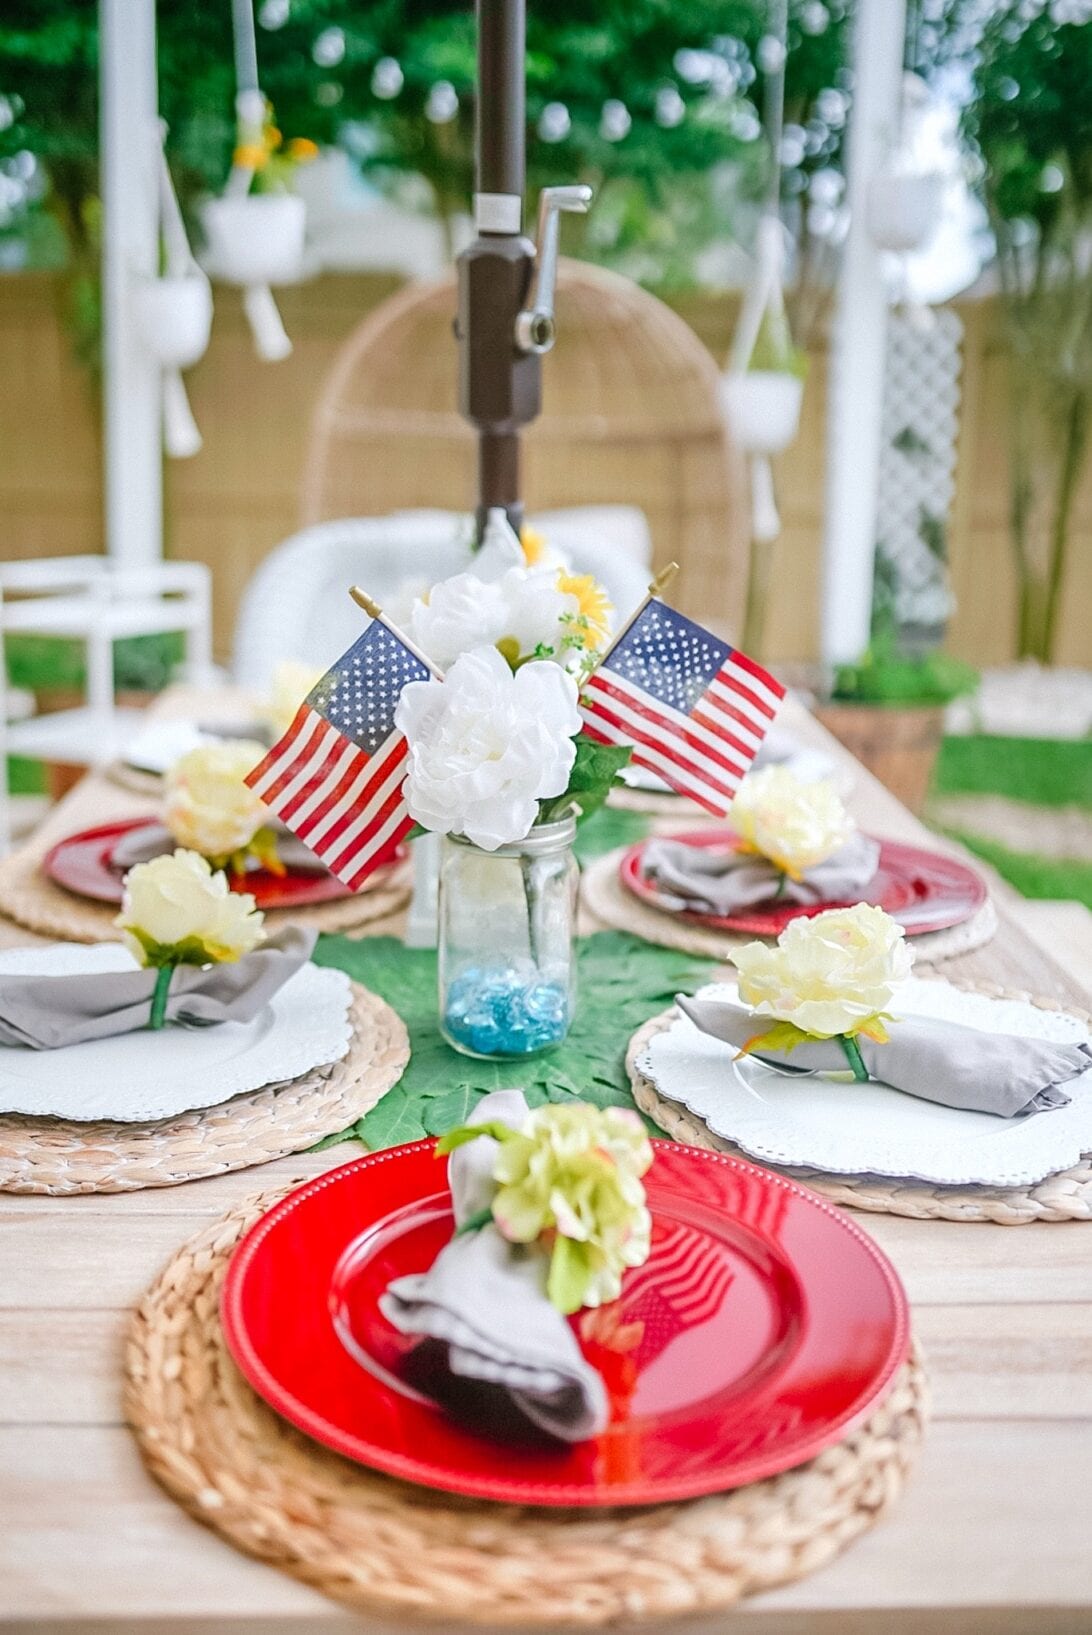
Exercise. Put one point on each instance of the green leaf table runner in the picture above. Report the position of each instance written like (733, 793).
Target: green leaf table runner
(622, 982)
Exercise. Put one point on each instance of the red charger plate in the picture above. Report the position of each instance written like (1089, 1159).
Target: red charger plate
(923, 890)
(762, 1329)
(81, 863)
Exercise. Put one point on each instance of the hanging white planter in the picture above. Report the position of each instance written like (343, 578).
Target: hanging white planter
(904, 208)
(175, 316)
(256, 238)
(762, 408)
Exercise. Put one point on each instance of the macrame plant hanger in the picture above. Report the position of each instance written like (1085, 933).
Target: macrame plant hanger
(270, 337)
(763, 406)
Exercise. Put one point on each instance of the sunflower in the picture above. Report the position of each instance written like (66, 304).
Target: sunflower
(593, 607)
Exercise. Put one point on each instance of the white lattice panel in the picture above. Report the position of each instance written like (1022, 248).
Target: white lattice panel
(917, 464)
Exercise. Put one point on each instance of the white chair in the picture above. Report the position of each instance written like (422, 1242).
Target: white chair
(297, 606)
(92, 600)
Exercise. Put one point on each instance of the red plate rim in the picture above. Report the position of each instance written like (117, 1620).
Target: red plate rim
(328, 887)
(753, 922)
(548, 1495)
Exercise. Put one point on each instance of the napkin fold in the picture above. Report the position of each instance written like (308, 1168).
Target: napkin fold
(705, 880)
(939, 1061)
(485, 1299)
(49, 1012)
(142, 845)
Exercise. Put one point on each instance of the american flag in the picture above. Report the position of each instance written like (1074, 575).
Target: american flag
(335, 778)
(694, 708)
(683, 1284)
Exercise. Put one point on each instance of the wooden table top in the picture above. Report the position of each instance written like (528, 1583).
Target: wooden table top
(991, 1535)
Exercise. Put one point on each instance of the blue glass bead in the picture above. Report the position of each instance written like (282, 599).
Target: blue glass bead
(508, 1012)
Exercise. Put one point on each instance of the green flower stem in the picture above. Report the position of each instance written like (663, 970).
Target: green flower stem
(854, 1057)
(159, 996)
(475, 1222)
(782, 883)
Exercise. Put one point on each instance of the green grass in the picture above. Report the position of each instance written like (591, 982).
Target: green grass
(1041, 771)
(141, 663)
(1030, 875)
(26, 777)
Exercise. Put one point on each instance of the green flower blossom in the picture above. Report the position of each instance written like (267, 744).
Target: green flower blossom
(571, 1180)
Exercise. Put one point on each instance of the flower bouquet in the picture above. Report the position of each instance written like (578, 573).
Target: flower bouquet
(500, 765)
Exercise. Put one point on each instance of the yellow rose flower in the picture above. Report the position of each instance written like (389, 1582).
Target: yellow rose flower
(292, 681)
(176, 911)
(796, 825)
(208, 808)
(829, 973)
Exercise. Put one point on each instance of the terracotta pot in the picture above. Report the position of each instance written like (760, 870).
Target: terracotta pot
(897, 743)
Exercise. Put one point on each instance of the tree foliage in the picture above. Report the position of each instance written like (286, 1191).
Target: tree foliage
(1029, 121)
(654, 102)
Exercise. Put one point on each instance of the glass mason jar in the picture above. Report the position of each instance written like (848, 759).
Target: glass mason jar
(506, 925)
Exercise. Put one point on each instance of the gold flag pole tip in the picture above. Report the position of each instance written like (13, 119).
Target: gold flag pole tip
(362, 599)
(663, 579)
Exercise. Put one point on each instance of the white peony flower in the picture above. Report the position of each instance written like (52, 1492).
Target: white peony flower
(177, 911)
(796, 825)
(458, 614)
(208, 807)
(520, 613)
(830, 973)
(485, 746)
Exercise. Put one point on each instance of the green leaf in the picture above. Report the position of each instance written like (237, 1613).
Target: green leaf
(394, 1119)
(622, 982)
(591, 779)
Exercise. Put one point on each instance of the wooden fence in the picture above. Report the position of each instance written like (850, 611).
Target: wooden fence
(240, 495)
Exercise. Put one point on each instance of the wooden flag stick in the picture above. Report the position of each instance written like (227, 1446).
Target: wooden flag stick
(373, 609)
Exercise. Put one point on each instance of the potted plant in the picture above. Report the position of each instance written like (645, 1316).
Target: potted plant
(888, 710)
(255, 229)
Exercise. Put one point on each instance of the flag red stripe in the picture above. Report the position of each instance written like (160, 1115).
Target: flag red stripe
(337, 792)
(760, 675)
(759, 705)
(357, 858)
(747, 751)
(600, 684)
(656, 760)
(276, 756)
(640, 737)
(302, 743)
(337, 832)
(380, 852)
(329, 748)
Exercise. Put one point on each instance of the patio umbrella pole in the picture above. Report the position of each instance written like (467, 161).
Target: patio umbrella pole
(504, 325)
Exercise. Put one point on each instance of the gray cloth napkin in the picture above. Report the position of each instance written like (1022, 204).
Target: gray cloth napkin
(49, 1012)
(939, 1061)
(142, 845)
(485, 1299)
(708, 881)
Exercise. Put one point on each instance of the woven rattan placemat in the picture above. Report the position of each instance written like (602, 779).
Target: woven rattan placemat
(1066, 1196)
(605, 897)
(63, 1156)
(384, 1547)
(32, 900)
